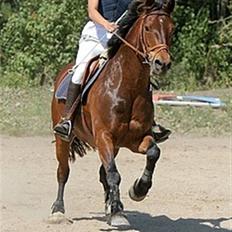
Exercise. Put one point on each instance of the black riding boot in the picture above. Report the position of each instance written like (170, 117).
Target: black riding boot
(64, 127)
(160, 134)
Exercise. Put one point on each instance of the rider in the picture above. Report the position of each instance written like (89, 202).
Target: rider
(95, 35)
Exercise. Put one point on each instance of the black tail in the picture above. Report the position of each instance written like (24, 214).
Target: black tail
(79, 147)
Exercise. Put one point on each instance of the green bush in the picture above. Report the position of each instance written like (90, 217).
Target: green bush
(218, 67)
(7, 7)
(40, 38)
(201, 51)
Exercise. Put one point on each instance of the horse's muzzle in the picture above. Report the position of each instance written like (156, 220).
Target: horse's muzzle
(160, 62)
(159, 66)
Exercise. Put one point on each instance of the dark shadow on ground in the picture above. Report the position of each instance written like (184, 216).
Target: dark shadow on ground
(144, 222)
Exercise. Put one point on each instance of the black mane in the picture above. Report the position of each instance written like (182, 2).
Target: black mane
(136, 8)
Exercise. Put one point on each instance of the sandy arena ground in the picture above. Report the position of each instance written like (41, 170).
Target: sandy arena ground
(191, 190)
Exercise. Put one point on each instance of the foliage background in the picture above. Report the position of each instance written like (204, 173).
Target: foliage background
(38, 37)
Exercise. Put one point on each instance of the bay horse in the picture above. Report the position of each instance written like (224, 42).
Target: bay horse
(118, 111)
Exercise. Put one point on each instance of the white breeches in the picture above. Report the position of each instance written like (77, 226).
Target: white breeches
(93, 42)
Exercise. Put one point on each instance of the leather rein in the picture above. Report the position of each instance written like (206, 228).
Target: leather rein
(145, 49)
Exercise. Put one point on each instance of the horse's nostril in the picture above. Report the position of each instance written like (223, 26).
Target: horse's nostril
(158, 63)
(162, 65)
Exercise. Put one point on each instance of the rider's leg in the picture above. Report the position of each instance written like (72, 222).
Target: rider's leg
(87, 50)
(160, 133)
(64, 127)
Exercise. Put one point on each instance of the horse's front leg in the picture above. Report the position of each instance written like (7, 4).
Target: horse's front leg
(62, 154)
(103, 180)
(142, 185)
(110, 178)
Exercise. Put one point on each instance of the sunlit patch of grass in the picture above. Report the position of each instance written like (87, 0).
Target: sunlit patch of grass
(199, 120)
(25, 111)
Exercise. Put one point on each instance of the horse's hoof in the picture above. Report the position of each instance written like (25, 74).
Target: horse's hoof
(133, 196)
(119, 220)
(58, 218)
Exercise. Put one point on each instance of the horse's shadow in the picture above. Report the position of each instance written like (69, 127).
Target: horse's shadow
(144, 222)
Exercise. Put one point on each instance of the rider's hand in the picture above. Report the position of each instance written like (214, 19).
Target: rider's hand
(110, 26)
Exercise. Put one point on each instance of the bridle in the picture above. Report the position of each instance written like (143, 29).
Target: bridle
(145, 49)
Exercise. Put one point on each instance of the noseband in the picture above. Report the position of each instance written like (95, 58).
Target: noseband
(145, 49)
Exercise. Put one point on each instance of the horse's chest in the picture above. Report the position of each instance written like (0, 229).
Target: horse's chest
(136, 127)
(141, 116)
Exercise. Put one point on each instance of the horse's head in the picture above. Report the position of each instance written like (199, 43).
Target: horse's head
(156, 29)
(149, 27)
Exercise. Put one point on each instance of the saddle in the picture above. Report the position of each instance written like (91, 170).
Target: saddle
(92, 71)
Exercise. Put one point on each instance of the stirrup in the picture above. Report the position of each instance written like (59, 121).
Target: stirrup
(161, 136)
(60, 127)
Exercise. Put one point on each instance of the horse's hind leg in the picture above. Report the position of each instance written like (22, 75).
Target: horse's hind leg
(142, 185)
(110, 178)
(62, 154)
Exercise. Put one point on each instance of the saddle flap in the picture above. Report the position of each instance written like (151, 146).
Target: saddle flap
(91, 68)
(62, 90)
(91, 73)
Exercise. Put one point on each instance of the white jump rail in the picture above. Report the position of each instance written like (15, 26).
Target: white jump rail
(198, 101)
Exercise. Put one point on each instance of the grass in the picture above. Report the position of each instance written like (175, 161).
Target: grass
(199, 120)
(26, 112)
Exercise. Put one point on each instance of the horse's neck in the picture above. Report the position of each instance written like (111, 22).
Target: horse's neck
(133, 38)
(127, 75)
(135, 71)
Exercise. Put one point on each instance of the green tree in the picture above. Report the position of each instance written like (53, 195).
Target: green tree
(201, 47)
(41, 37)
(7, 7)
(38, 37)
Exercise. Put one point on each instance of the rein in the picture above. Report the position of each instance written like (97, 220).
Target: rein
(145, 52)
(131, 46)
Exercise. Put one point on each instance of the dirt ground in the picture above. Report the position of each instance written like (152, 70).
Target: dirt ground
(191, 190)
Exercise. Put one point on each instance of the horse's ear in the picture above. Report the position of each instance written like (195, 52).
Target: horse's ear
(168, 6)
